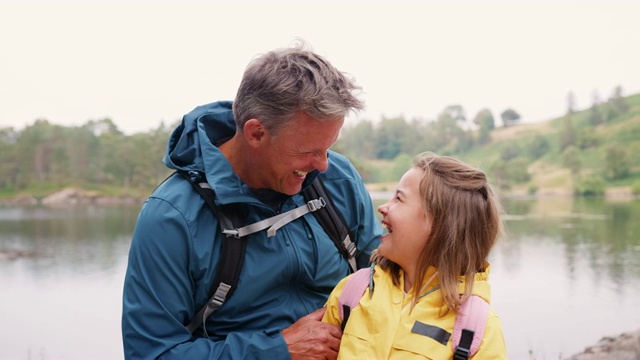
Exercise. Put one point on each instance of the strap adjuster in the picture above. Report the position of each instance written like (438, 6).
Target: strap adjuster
(316, 204)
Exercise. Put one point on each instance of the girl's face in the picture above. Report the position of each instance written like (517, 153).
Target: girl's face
(406, 220)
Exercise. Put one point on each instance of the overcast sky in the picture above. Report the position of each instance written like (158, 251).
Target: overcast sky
(141, 63)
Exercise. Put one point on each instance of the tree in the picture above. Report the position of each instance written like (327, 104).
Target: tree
(356, 140)
(538, 146)
(619, 102)
(485, 122)
(457, 113)
(510, 151)
(9, 158)
(390, 137)
(571, 103)
(510, 117)
(595, 116)
(571, 160)
(617, 164)
(568, 134)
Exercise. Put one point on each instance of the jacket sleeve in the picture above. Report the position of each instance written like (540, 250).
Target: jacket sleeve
(493, 346)
(332, 314)
(158, 296)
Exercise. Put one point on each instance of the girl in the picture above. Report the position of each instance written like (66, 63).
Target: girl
(442, 222)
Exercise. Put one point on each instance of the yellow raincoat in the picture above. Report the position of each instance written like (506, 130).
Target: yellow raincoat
(380, 327)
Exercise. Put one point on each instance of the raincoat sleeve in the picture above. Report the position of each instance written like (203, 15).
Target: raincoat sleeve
(493, 346)
(158, 297)
(332, 315)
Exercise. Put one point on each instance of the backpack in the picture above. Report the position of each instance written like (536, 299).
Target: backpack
(467, 331)
(234, 242)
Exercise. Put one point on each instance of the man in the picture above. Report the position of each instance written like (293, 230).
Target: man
(257, 153)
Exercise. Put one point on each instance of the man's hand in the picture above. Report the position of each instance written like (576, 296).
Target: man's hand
(310, 338)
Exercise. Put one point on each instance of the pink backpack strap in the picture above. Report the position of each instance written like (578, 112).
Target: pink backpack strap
(472, 317)
(353, 290)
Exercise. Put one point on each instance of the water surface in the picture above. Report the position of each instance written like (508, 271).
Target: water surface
(567, 274)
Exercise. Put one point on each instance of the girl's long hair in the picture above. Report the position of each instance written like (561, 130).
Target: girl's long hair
(466, 224)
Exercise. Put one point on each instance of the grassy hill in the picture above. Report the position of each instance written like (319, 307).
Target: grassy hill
(549, 168)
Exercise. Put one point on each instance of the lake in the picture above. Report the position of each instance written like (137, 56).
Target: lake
(567, 274)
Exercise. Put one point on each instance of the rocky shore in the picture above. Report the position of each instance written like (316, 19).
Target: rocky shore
(625, 346)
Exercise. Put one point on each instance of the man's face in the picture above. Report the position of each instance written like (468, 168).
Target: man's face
(286, 158)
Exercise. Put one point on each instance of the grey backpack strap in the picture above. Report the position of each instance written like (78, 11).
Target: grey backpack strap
(276, 222)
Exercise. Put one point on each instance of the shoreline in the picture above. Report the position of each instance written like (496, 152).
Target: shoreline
(75, 196)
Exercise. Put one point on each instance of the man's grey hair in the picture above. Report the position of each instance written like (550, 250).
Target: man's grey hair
(284, 82)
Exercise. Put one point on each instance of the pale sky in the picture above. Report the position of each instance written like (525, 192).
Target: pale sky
(140, 63)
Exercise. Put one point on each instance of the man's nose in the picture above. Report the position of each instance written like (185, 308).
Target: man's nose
(321, 162)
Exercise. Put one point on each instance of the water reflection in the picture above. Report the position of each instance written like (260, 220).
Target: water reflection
(61, 271)
(75, 239)
(597, 230)
(567, 274)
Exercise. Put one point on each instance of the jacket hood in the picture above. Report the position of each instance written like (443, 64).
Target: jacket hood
(193, 147)
(200, 129)
(481, 285)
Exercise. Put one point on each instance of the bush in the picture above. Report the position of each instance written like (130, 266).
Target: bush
(590, 186)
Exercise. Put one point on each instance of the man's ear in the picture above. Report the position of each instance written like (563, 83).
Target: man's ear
(254, 132)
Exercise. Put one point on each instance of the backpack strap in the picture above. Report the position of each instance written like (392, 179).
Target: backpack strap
(234, 242)
(469, 328)
(352, 293)
(231, 259)
(332, 222)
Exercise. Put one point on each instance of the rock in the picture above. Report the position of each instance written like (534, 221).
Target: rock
(625, 346)
(70, 196)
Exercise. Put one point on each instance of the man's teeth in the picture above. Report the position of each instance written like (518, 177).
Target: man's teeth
(300, 173)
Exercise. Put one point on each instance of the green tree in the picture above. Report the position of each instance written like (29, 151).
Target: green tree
(590, 186)
(457, 113)
(356, 140)
(390, 136)
(9, 158)
(509, 151)
(446, 130)
(43, 159)
(619, 102)
(617, 164)
(510, 117)
(595, 117)
(486, 123)
(568, 135)
(571, 160)
(538, 146)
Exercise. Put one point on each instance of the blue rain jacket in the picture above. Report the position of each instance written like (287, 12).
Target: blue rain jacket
(176, 247)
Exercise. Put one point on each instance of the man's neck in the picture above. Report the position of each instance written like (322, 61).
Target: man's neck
(237, 155)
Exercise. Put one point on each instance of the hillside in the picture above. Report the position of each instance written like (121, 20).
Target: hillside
(560, 156)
